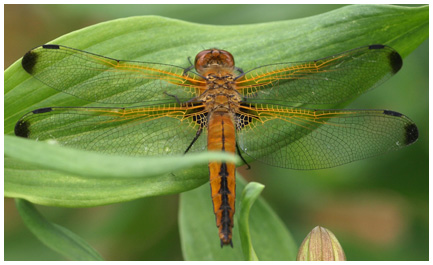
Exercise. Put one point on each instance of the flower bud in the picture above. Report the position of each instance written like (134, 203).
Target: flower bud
(320, 245)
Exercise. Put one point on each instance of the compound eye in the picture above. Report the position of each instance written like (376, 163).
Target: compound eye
(213, 58)
(201, 55)
(201, 61)
(228, 59)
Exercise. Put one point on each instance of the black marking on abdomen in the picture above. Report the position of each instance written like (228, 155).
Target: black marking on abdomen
(223, 138)
(411, 133)
(225, 206)
(224, 191)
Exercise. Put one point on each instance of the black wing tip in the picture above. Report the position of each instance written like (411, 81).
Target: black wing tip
(411, 134)
(22, 126)
(395, 60)
(22, 129)
(29, 60)
(410, 130)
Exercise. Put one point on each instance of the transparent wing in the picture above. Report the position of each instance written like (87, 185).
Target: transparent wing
(159, 130)
(315, 139)
(329, 80)
(100, 79)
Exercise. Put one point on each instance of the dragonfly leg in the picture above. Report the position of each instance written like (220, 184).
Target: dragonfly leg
(175, 97)
(197, 135)
(239, 153)
(189, 68)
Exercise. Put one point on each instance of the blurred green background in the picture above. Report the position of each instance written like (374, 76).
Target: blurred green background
(377, 208)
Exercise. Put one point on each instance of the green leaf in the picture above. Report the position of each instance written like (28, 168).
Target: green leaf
(97, 165)
(199, 234)
(54, 236)
(171, 41)
(249, 195)
(96, 178)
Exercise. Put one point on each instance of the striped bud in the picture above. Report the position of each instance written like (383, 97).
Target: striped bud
(320, 245)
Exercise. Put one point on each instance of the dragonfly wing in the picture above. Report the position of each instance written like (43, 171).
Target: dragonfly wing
(163, 130)
(329, 80)
(314, 139)
(97, 78)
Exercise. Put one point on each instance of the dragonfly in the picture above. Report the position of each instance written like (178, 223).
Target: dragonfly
(263, 114)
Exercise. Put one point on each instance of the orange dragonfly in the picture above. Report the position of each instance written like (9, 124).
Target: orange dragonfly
(261, 114)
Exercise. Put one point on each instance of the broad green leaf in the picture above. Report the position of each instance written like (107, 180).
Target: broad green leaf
(54, 236)
(249, 195)
(199, 235)
(170, 41)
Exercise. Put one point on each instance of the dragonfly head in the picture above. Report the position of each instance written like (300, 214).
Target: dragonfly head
(213, 58)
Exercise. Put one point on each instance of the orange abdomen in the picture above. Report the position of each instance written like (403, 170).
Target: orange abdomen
(221, 137)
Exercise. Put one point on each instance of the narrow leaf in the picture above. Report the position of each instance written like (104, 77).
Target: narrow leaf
(88, 179)
(92, 164)
(249, 196)
(55, 236)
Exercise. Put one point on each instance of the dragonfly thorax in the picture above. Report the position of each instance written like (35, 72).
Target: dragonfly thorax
(221, 99)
